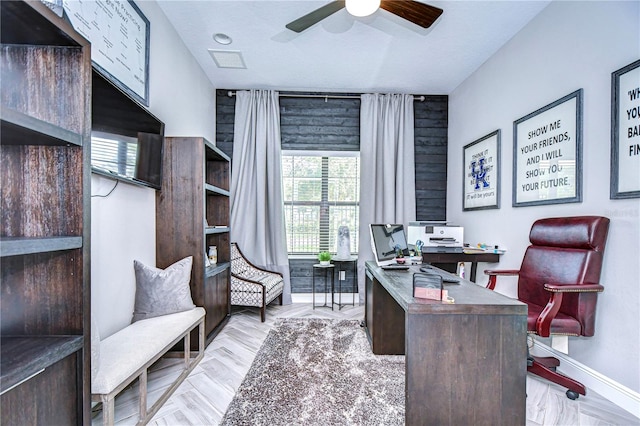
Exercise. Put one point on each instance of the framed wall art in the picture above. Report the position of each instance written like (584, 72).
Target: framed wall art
(119, 35)
(625, 132)
(481, 168)
(547, 154)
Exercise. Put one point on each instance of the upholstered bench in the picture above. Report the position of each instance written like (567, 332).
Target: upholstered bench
(127, 354)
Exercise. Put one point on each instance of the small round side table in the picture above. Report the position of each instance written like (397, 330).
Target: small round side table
(328, 272)
(342, 265)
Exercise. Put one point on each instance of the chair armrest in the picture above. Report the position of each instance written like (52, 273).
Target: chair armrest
(493, 274)
(574, 288)
(543, 323)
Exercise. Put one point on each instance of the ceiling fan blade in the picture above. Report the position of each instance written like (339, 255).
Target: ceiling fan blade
(419, 13)
(316, 16)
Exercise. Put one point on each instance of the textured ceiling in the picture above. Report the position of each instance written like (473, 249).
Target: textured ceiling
(379, 53)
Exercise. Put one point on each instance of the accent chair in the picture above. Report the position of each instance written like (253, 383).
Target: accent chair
(252, 285)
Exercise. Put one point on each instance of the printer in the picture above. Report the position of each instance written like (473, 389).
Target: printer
(438, 237)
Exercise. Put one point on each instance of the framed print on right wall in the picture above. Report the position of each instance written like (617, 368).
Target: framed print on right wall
(625, 132)
(547, 154)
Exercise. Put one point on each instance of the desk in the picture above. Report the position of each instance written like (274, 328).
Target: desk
(449, 261)
(465, 362)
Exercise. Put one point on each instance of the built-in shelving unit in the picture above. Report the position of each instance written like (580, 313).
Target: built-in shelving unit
(192, 214)
(45, 68)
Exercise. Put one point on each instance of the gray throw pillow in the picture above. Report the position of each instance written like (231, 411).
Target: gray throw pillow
(162, 292)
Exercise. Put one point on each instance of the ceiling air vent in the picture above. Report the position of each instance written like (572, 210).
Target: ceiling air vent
(227, 58)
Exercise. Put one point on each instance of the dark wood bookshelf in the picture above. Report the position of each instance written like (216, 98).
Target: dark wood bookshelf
(192, 213)
(45, 300)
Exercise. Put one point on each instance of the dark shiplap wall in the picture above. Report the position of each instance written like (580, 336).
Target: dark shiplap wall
(305, 123)
(334, 125)
(430, 132)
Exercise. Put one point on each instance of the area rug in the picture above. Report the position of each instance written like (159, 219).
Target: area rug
(319, 372)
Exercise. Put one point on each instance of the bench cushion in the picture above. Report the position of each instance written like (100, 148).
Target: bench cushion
(125, 352)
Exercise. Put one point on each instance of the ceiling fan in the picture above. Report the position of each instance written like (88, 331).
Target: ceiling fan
(419, 13)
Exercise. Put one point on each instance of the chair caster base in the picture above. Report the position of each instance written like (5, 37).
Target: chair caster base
(572, 395)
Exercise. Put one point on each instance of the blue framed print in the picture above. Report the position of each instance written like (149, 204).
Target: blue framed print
(481, 168)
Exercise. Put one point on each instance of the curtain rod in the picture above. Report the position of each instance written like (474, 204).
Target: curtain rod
(231, 93)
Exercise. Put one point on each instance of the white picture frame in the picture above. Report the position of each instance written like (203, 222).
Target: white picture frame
(119, 34)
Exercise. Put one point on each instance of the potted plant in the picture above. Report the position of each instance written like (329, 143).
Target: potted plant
(400, 260)
(324, 257)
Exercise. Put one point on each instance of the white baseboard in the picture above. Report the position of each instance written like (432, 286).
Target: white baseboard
(615, 392)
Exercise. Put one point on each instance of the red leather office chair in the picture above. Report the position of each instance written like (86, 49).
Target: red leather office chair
(559, 281)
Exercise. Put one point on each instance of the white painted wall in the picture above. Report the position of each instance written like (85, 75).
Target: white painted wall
(123, 224)
(569, 45)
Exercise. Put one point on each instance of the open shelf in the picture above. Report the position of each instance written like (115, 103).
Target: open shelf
(214, 190)
(21, 129)
(215, 230)
(16, 246)
(213, 153)
(22, 357)
(215, 270)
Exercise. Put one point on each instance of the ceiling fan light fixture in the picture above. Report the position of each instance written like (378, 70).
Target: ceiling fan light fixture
(362, 8)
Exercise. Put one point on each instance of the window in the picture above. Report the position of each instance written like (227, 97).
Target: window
(321, 193)
(115, 153)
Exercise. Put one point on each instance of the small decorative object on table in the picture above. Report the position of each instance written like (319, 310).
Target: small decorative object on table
(344, 244)
(324, 257)
(400, 260)
(213, 255)
(417, 254)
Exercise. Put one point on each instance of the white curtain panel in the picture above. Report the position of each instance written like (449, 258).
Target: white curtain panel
(257, 218)
(387, 180)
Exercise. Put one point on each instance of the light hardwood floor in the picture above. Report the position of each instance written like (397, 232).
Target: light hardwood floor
(205, 395)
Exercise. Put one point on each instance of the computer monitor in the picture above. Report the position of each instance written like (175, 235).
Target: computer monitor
(384, 239)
